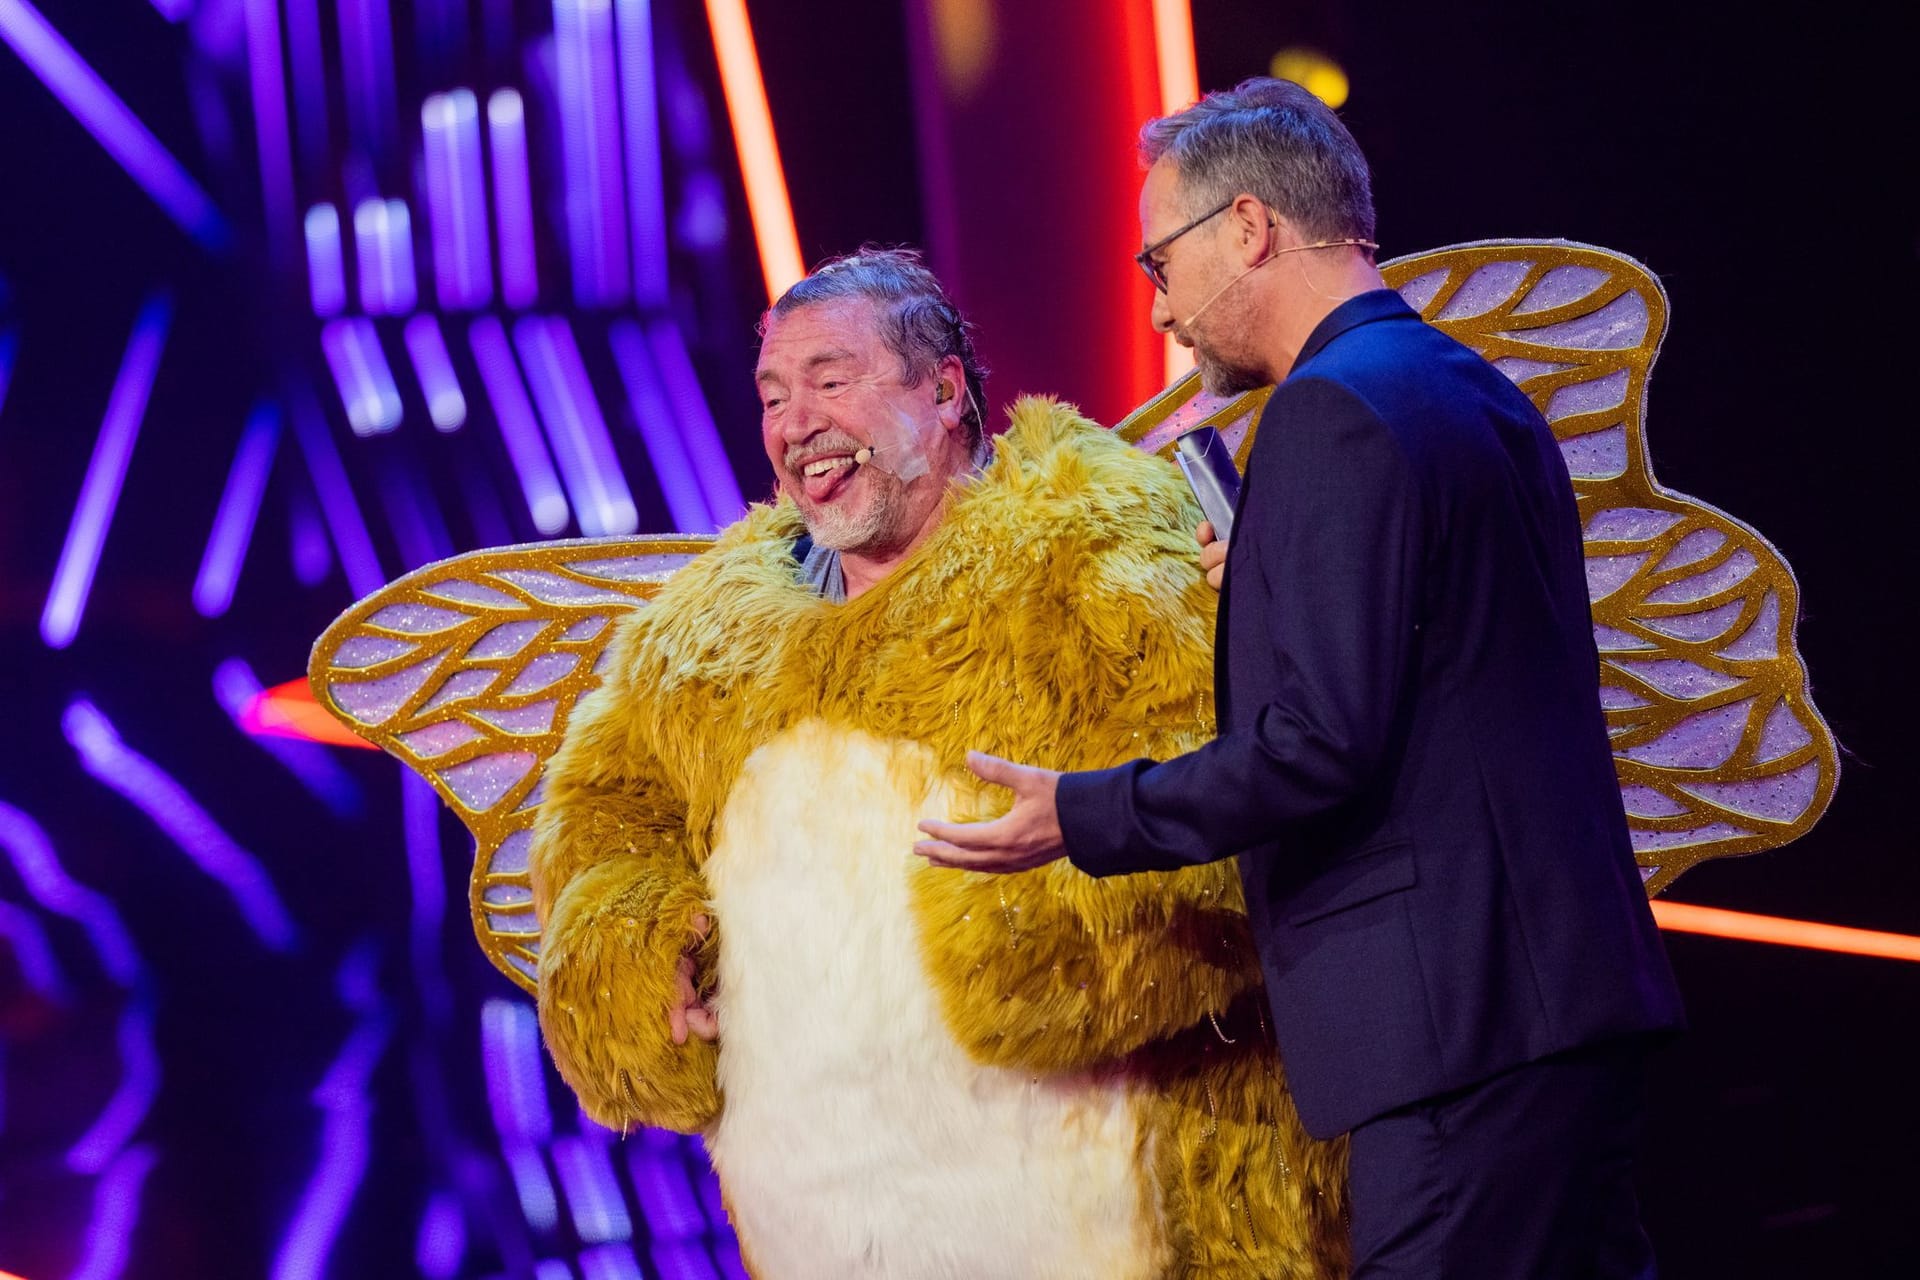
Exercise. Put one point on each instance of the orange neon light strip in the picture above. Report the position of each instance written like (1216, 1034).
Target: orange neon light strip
(766, 181)
(1179, 88)
(289, 711)
(1684, 917)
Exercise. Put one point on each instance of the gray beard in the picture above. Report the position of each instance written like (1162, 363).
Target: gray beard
(867, 531)
(1223, 379)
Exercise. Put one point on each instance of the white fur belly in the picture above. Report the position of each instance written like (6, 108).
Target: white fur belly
(857, 1138)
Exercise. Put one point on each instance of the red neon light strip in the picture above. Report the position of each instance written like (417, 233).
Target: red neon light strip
(1684, 917)
(752, 120)
(1179, 88)
(289, 711)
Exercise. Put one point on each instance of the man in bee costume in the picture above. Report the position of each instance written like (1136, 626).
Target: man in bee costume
(901, 1070)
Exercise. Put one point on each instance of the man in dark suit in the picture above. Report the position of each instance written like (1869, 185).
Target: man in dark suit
(1412, 768)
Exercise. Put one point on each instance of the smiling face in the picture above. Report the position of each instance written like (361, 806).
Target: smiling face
(829, 387)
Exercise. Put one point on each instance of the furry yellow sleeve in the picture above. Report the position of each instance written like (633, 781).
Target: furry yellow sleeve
(616, 891)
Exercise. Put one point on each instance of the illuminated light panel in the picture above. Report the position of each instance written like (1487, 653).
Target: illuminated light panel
(446, 403)
(1685, 917)
(640, 120)
(512, 198)
(672, 468)
(578, 433)
(234, 518)
(590, 143)
(346, 1136)
(518, 427)
(190, 827)
(517, 1101)
(235, 688)
(442, 1238)
(358, 559)
(1313, 71)
(289, 710)
(383, 245)
(326, 261)
(100, 111)
(116, 1212)
(694, 421)
(360, 369)
(766, 181)
(106, 472)
(38, 866)
(366, 63)
(267, 80)
(132, 1098)
(610, 1262)
(456, 199)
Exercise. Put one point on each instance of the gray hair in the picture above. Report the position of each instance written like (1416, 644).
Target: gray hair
(1276, 142)
(918, 322)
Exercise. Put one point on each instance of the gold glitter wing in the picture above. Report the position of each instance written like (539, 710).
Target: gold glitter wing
(1719, 748)
(467, 670)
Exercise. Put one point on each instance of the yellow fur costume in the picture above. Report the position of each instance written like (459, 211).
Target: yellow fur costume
(924, 1072)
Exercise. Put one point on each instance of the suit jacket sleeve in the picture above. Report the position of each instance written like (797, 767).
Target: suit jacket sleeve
(1328, 553)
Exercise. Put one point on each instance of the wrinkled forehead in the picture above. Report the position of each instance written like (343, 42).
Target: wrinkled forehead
(840, 329)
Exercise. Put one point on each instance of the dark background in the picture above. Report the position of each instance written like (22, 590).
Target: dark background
(1760, 164)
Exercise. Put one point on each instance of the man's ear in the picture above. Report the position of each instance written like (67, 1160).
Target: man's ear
(1255, 229)
(950, 395)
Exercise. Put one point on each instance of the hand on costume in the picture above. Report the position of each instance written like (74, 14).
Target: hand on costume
(1027, 837)
(691, 1012)
(1213, 554)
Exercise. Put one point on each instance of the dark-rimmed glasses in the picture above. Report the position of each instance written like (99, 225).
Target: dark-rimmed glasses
(1156, 271)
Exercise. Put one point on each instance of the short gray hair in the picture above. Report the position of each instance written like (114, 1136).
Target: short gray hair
(1276, 142)
(918, 321)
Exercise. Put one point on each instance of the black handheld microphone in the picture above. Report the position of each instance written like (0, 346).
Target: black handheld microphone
(1208, 465)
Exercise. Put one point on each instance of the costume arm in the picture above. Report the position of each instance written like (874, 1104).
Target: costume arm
(1053, 969)
(616, 892)
(1340, 515)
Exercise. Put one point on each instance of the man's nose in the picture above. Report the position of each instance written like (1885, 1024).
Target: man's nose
(1161, 314)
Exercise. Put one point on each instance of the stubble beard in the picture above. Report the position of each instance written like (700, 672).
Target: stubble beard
(869, 528)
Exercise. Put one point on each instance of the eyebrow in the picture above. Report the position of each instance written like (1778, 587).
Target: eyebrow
(833, 356)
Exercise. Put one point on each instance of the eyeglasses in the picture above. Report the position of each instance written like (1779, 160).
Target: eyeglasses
(1156, 271)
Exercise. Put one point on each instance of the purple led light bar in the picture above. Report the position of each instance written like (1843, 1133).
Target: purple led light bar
(593, 1195)
(268, 82)
(176, 813)
(81, 91)
(173, 10)
(414, 517)
(683, 1260)
(234, 518)
(575, 428)
(646, 197)
(309, 554)
(426, 876)
(552, 1269)
(590, 140)
(366, 57)
(442, 1238)
(695, 422)
(234, 686)
(610, 1262)
(446, 403)
(360, 369)
(512, 198)
(456, 199)
(345, 1142)
(106, 472)
(518, 427)
(47, 883)
(666, 1196)
(307, 55)
(326, 261)
(33, 954)
(517, 1100)
(132, 1097)
(9, 352)
(672, 468)
(383, 245)
(116, 1212)
(350, 537)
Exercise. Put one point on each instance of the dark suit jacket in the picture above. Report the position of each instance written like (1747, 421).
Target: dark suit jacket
(1412, 766)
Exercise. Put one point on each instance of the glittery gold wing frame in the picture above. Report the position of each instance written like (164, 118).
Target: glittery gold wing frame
(467, 671)
(1719, 748)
